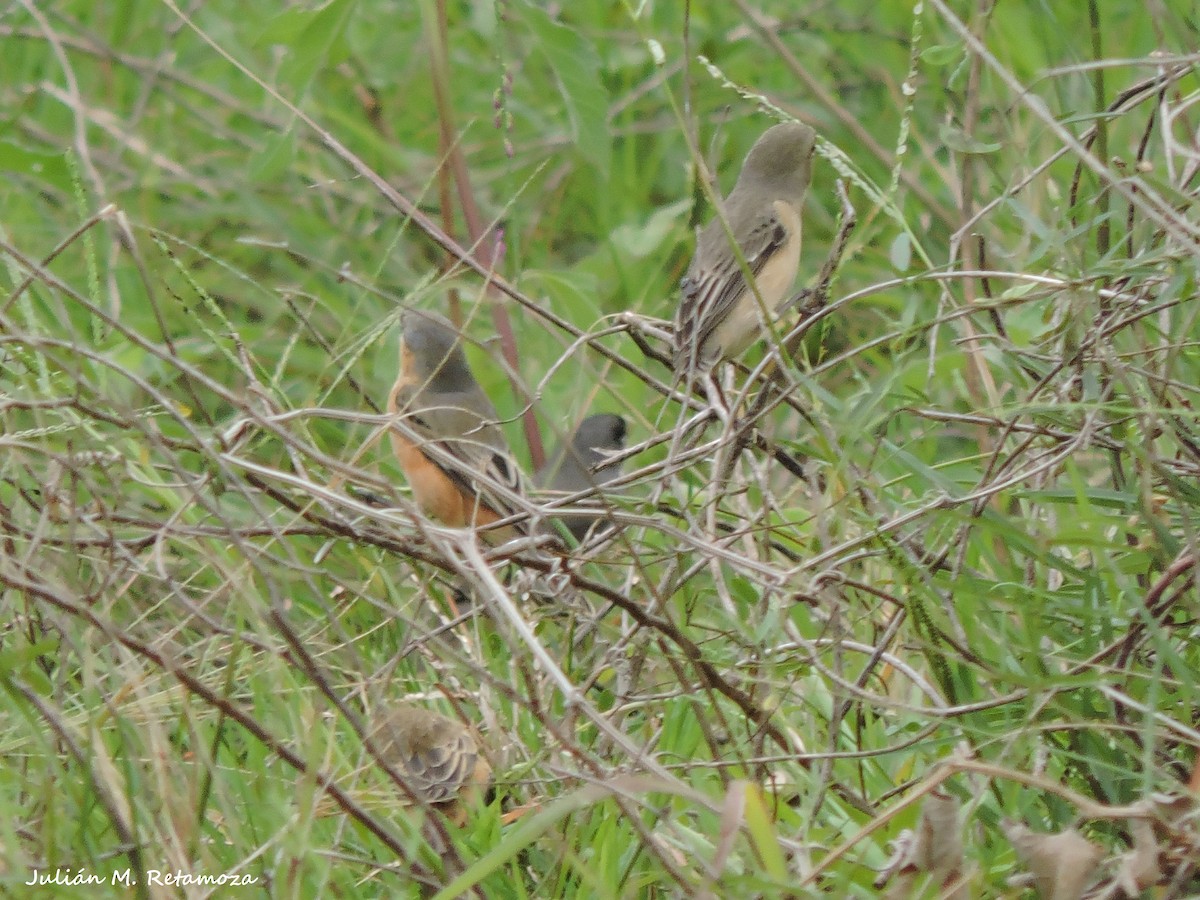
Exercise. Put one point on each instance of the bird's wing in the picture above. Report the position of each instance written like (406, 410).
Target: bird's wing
(439, 770)
(715, 281)
(435, 755)
(458, 433)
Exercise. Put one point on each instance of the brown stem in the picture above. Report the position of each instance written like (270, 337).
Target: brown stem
(485, 247)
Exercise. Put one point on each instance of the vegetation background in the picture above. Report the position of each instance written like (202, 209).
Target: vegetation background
(974, 614)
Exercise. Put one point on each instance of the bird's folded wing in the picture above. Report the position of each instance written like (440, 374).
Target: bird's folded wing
(438, 772)
(470, 451)
(712, 288)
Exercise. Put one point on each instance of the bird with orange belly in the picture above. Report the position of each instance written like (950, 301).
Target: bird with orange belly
(446, 433)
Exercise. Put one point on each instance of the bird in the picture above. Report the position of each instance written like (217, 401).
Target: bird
(580, 464)
(446, 433)
(719, 314)
(436, 757)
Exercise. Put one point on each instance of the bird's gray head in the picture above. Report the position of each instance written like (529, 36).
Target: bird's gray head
(434, 350)
(601, 432)
(781, 159)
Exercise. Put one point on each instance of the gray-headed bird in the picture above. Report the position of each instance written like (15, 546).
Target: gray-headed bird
(580, 464)
(447, 435)
(720, 314)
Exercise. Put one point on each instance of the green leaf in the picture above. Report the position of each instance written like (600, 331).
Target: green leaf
(576, 67)
(957, 140)
(641, 240)
(315, 39)
(900, 253)
(276, 158)
(50, 168)
(1020, 289)
(941, 54)
(766, 842)
(23, 661)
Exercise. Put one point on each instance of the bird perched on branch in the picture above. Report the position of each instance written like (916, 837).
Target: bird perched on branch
(721, 313)
(436, 758)
(446, 433)
(580, 464)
